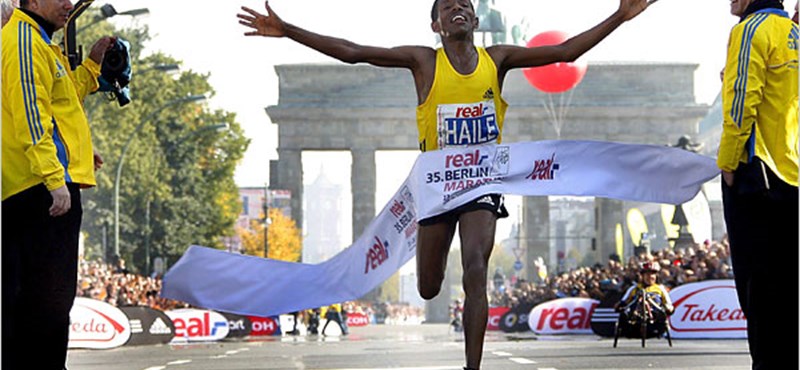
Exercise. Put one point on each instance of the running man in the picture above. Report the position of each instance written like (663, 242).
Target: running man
(456, 77)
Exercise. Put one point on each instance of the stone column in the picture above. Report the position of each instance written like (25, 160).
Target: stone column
(362, 183)
(535, 234)
(608, 213)
(362, 180)
(287, 173)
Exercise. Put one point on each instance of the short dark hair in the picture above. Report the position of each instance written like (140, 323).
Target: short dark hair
(435, 11)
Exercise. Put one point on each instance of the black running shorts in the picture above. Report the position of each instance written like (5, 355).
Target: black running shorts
(489, 202)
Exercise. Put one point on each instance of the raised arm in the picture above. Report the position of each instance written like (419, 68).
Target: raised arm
(508, 57)
(271, 25)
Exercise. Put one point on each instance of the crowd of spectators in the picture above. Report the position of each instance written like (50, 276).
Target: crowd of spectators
(706, 261)
(116, 285)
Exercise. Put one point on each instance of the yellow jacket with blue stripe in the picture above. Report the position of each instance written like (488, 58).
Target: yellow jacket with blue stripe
(759, 95)
(46, 137)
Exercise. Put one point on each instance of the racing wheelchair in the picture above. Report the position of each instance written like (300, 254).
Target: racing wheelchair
(643, 318)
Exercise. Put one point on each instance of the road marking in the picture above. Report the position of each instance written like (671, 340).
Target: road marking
(523, 361)
(179, 362)
(547, 368)
(409, 368)
(502, 354)
(156, 368)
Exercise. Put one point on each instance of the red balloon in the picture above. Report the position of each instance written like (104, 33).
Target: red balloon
(556, 77)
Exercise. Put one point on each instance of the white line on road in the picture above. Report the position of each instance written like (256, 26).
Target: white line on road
(501, 354)
(179, 362)
(521, 360)
(409, 368)
(156, 368)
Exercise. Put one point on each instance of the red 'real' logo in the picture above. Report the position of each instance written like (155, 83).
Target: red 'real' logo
(464, 160)
(397, 208)
(377, 255)
(560, 318)
(471, 112)
(544, 169)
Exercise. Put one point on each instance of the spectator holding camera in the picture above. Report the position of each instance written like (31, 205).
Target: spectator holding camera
(47, 158)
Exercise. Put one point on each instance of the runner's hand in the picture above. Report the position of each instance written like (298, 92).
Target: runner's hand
(269, 25)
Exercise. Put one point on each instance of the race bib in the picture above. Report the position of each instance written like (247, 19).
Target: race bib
(462, 125)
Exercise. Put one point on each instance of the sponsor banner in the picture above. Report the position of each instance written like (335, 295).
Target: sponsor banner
(708, 309)
(440, 181)
(213, 278)
(563, 316)
(357, 319)
(516, 319)
(196, 325)
(238, 326)
(604, 317)
(97, 325)
(445, 179)
(495, 314)
(148, 326)
(265, 326)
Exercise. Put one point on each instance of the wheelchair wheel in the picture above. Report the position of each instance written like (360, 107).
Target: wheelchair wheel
(643, 332)
(669, 338)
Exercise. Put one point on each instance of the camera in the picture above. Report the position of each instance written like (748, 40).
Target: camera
(115, 72)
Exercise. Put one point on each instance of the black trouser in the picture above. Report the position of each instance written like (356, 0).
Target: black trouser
(762, 225)
(40, 272)
(337, 317)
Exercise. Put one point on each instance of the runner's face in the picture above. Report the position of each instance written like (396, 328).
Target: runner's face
(739, 6)
(456, 17)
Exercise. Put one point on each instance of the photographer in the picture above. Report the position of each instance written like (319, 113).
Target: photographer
(47, 158)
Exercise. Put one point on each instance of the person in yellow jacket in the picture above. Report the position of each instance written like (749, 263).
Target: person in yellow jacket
(336, 314)
(47, 157)
(459, 89)
(759, 163)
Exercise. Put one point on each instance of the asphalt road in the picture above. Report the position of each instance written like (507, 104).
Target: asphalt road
(419, 347)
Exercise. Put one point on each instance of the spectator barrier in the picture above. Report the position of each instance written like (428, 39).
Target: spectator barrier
(357, 319)
(563, 316)
(195, 325)
(708, 309)
(148, 326)
(495, 316)
(97, 325)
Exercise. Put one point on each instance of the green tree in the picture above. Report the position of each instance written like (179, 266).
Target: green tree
(390, 289)
(176, 185)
